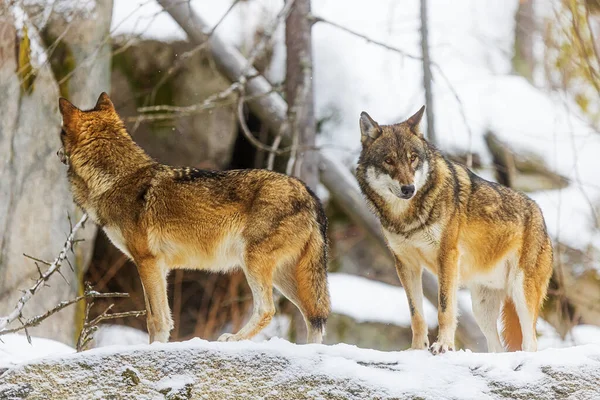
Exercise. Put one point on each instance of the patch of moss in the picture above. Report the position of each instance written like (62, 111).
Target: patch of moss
(130, 377)
(25, 70)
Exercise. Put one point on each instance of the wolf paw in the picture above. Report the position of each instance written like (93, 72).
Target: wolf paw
(441, 347)
(228, 337)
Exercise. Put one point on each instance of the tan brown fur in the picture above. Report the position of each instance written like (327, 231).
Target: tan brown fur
(469, 232)
(270, 225)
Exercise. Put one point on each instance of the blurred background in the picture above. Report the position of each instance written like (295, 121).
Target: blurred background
(512, 89)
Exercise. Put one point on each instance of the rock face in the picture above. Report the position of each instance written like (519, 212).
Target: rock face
(151, 73)
(34, 193)
(279, 370)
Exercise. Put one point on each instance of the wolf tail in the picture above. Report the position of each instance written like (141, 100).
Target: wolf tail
(511, 327)
(311, 278)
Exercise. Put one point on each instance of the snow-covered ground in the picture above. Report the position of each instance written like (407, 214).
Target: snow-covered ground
(15, 349)
(276, 368)
(359, 298)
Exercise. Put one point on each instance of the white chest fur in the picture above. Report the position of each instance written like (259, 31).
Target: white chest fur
(419, 249)
(117, 238)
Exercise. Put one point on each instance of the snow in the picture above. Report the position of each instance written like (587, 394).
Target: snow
(279, 327)
(347, 369)
(15, 349)
(110, 335)
(579, 335)
(365, 300)
(173, 384)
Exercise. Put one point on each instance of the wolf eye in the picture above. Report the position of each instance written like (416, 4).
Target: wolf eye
(413, 157)
(389, 161)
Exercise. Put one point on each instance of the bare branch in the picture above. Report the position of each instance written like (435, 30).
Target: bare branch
(90, 327)
(35, 321)
(398, 50)
(53, 267)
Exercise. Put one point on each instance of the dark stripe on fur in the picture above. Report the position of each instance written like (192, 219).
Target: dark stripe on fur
(456, 185)
(443, 301)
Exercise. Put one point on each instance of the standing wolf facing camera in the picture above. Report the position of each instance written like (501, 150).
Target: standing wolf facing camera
(268, 224)
(438, 214)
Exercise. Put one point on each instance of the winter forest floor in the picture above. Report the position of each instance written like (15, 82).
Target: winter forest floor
(277, 369)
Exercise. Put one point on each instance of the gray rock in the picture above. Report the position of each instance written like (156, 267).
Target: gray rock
(279, 370)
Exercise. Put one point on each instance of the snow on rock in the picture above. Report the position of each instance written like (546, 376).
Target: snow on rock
(280, 370)
(15, 349)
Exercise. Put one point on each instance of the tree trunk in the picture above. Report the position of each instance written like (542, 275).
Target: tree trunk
(427, 76)
(34, 193)
(525, 28)
(299, 90)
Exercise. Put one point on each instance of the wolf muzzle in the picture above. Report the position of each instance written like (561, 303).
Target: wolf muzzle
(62, 156)
(404, 192)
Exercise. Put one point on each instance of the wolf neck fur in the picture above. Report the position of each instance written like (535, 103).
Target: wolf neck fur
(95, 176)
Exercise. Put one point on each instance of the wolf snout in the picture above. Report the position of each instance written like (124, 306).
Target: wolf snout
(407, 191)
(62, 156)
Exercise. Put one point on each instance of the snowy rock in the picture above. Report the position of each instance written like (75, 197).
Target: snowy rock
(277, 369)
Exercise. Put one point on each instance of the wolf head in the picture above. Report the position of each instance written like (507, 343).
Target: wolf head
(394, 156)
(80, 129)
(96, 147)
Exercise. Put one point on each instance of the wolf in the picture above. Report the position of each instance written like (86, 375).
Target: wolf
(468, 231)
(270, 225)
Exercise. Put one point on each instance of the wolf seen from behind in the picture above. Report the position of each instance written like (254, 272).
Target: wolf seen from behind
(438, 214)
(268, 224)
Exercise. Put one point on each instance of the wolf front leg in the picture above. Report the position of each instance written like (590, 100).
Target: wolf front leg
(410, 277)
(448, 288)
(158, 315)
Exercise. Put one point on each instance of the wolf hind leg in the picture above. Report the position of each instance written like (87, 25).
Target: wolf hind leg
(286, 283)
(529, 288)
(304, 283)
(260, 280)
(526, 311)
(486, 308)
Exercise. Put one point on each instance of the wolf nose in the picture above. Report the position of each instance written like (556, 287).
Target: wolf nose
(407, 191)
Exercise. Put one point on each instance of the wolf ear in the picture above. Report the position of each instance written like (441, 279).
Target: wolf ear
(67, 110)
(415, 119)
(369, 129)
(104, 103)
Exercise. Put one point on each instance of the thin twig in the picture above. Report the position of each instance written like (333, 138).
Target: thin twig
(398, 50)
(272, 153)
(53, 267)
(90, 327)
(35, 321)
